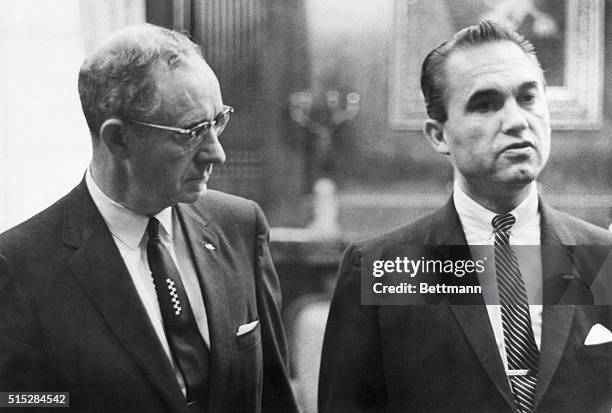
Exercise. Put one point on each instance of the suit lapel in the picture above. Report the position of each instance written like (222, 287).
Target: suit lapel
(568, 268)
(556, 319)
(446, 228)
(207, 254)
(99, 268)
(473, 319)
(556, 325)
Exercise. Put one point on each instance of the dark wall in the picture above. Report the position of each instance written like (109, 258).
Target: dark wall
(377, 159)
(159, 12)
(376, 156)
(258, 49)
(292, 49)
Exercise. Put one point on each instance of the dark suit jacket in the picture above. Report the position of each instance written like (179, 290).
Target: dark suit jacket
(71, 319)
(444, 358)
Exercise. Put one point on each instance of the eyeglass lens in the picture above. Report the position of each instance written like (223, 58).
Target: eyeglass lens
(218, 124)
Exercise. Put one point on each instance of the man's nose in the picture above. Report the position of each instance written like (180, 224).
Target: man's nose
(212, 150)
(514, 121)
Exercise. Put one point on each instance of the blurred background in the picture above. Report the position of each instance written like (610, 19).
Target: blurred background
(327, 131)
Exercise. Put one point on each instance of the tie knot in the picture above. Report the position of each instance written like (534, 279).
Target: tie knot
(503, 222)
(153, 228)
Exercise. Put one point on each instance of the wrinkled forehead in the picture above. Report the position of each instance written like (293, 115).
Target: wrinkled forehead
(501, 65)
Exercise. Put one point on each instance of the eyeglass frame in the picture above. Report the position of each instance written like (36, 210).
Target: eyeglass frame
(192, 132)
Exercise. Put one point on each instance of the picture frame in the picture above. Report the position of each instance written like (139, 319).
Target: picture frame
(575, 95)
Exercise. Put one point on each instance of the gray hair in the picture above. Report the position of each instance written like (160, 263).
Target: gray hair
(117, 79)
(433, 71)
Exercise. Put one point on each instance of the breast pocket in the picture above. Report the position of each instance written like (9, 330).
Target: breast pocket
(247, 366)
(249, 338)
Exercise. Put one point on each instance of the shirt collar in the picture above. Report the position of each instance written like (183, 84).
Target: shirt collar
(126, 225)
(475, 216)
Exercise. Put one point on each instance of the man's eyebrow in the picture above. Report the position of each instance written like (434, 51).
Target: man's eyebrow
(484, 93)
(529, 85)
(492, 92)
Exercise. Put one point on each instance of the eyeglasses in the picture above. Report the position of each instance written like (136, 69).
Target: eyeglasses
(192, 135)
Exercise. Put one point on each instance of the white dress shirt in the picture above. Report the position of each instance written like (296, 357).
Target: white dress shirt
(128, 229)
(476, 223)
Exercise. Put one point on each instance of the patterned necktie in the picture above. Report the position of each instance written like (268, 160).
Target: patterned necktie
(186, 343)
(521, 351)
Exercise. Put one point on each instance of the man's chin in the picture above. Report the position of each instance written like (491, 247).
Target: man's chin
(193, 195)
(520, 176)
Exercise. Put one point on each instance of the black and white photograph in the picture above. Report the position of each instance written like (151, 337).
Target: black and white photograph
(304, 206)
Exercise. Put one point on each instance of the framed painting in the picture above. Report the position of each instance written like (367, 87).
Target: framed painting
(567, 34)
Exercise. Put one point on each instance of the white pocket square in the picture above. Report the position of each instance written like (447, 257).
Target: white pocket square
(598, 335)
(245, 328)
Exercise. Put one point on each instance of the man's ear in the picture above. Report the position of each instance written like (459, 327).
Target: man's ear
(434, 132)
(113, 134)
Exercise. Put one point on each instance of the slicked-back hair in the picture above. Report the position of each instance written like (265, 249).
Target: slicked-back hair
(118, 80)
(433, 71)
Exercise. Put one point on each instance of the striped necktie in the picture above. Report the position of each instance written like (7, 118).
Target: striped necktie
(521, 351)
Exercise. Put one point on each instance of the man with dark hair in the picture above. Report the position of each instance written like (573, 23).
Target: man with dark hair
(433, 73)
(141, 291)
(508, 348)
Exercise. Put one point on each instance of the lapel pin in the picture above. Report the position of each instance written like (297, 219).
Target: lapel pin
(567, 276)
(209, 247)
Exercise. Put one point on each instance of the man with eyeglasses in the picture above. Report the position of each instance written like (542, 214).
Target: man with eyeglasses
(140, 290)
